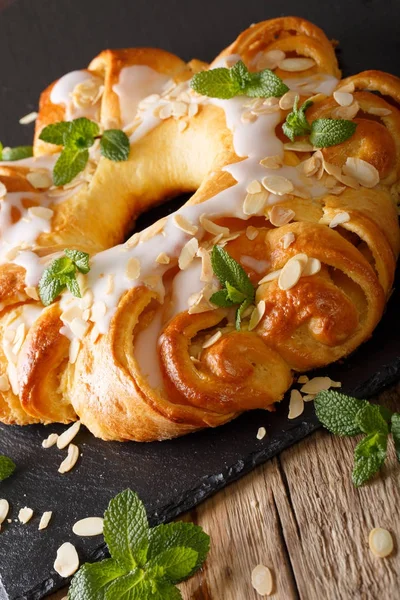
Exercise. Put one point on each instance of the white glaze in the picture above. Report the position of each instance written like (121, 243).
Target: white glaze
(62, 91)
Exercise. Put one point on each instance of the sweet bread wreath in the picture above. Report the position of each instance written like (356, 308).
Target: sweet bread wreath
(281, 261)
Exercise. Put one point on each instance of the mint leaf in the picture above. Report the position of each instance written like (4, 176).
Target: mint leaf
(216, 83)
(337, 412)
(234, 295)
(228, 270)
(126, 529)
(73, 286)
(70, 162)
(239, 313)
(17, 153)
(221, 299)
(163, 590)
(369, 419)
(172, 535)
(330, 132)
(92, 581)
(80, 259)
(56, 133)
(266, 84)
(396, 433)
(386, 413)
(115, 145)
(61, 273)
(369, 456)
(296, 121)
(176, 563)
(81, 134)
(7, 467)
(130, 586)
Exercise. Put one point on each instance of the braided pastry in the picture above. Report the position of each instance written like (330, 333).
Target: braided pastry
(145, 354)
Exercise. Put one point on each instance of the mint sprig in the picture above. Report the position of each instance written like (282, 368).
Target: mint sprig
(77, 137)
(237, 288)
(61, 274)
(7, 467)
(322, 132)
(226, 83)
(17, 153)
(145, 563)
(347, 416)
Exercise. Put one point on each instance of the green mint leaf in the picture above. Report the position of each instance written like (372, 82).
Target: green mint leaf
(369, 456)
(220, 298)
(73, 286)
(80, 259)
(337, 412)
(330, 132)
(240, 73)
(239, 313)
(17, 153)
(266, 84)
(386, 413)
(176, 563)
(228, 270)
(173, 535)
(1, 151)
(115, 145)
(69, 164)
(50, 286)
(296, 121)
(396, 433)
(234, 295)
(126, 530)
(81, 134)
(216, 83)
(92, 581)
(56, 133)
(7, 467)
(131, 586)
(163, 590)
(369, 419)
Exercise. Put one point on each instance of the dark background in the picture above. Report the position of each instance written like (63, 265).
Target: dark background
(40, 40)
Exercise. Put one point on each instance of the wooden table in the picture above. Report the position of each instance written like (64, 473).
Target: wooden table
(300, 515)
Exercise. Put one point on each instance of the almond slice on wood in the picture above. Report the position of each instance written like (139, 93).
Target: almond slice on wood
(261, 580)
(4, 508)
(380, 542)
(261, 433)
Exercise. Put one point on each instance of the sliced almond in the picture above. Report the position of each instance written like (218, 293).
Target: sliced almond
(88, 527)
(318, 384)
(272, 162)
(32, 292)
(188, 253)
(29, 118)
(257, 315)
(163, 258)
(132, 270)
(39, 180)
(312, 267)
(254, 187)
(41, 212)
(25, 515)
(343, 98)
(348, 87)
(290, 275)
(70, 461)
(298, 146)
(184, 224)
(207, 272)
(79, 327)
(165, 112)
(261, 580)
(179, 109)
(309, 397)
(365, 173)
(380, 542)
(286, 101)
(45, 520)
(296, 404)
(287, 239)
(3, 190)
(269, 60)
(261, 433)
(4, 509)
(303, 379)
(270, 276)
(70, 313)
(50, 441)
(4, 383)
(68, 435)
(254, 203)
(99, 309)
(67, 560)
(212, 227)
(311, 166)
(296, 64)
(379, 111)
(346, 112)
(278, 215)
(276, 184)
(94, 334)
(339, 219)
(193, 109)
(110, 284)
(251, 232)
(248, 117)
(211, 340)
(182, 125)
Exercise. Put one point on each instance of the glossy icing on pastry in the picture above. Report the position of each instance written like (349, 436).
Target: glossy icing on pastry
(144, 354)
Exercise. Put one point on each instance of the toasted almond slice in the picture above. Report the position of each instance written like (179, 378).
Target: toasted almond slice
(312, 267)
(380, 542)
(349, 87)
(272, 162)
(207, 272)
(193, 109)
(298, 146)
(29, 118)
(286, 101)
(254, 203)
(4, 383)
(79, 327)
(278, 215)
(346, 112)
(41, 212)
(296, 404)
(45, 520)
(310, 166)
(303, 379)
(365, 173)
(212, 227)
(254, 187)
(184, 224)
(290, 274)
(339, 219)
(99, 309)
(179, 109)
(261, 580)
(182, 125)
(39, 180)
(50, 441)
(261, 433)
(68, 435)
(74, 348)
(25, 515)
(88, 527)
(165, 112)
(32, 292)
(317, 384)
(163, 258)
(296, 64)
(269, 60)
(276, 184)
(3, 190)
(379, 111)
(270, 276)
(132, 270)
(309, 397)
(211, 340)
(71, 313)
(70, 461)
(287, 239)
(188, 253)
(257, 315)
(67, 560)
(251, 232)
(343, 98)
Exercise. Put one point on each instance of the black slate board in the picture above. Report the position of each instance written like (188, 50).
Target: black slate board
(39, 42)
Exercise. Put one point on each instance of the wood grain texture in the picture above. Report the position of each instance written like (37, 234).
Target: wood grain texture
(300, 515)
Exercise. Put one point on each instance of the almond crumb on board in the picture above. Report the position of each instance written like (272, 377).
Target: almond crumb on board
(25, 515)
(88, 527)
(261, 580)
(50, 441)
(4, 508)
(319, 384)
(296, 404)
(68, 435)
(67, 560)
(45, 519)
(69, 462)
(380, 542)
(261, 433)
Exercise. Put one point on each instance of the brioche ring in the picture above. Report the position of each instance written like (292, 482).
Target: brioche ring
(145, 354)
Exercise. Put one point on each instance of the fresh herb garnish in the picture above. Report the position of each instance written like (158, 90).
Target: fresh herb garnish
(323, 132)
(7, 467)
(237, 288)
(145, 563)
(347, 416)
(77, 137)
(237, 81)
(61, 274)
(17, 153)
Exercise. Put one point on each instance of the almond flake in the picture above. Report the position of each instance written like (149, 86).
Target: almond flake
(163, 259)
(261, 580)
(298, 146)
(99, 309)
(270, 276)
(184, 224)
(25, 515)
(212, 227)
(261, 433)
(380, 542)
(255, 203)
(39, 180)
(71, 313)
(303, 379)
(276, 184)
(211, 340)
(269, 60)
(94, 334)
(68, 435)
(319, 384)
(309, 397)
(290, 274)
(310, 166)
(272, 162)
(296, 64)
(339, 219)
(45, 520)
(4, 383)
(67, 560)
(253, 187)
(251, 232)
(278, 216)
(312, 267)
(29, 118)
(379, 111)
(286, 101)
(256, 315)
(346, 112)
(365, 173)
(88, 527)
(3, 190)
(296, 404)
(193, 109)
(348, 87)
(132, 270)
(50, 441)
(4, 508)
(188, 253)
(32, 292)
(179, 109)
(343, 98)
(78, 327)
(182, 125)
(248, 117)
(70, 461)
(41, 212)
(206, 267)
(19, 338)
(165, 112)
(287, 239)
